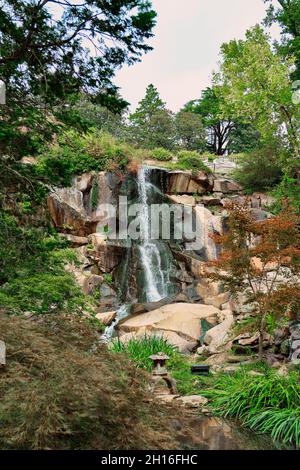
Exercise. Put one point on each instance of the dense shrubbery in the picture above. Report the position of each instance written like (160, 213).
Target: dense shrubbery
(260, 170)
(32, 275)
(76, 153)
(288, 189)
(191, 160)
(42, 293)
(61, 390)
(161, 154)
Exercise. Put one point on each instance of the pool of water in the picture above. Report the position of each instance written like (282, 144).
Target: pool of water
(201, 432)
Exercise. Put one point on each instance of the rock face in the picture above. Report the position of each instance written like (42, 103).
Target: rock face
(179, 323)
(79, 209)
(226, 186)
(68, 213)
(208, 224)
(185, 200)
(217, 336)
(187, 182)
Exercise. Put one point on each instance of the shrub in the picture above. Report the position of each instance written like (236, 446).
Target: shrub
(61, 390)
(188, 160)
(184, 154)
(259, 170)
(209, 156)
(288, 189)
(76, 153)
(161, 154)
(41, 293)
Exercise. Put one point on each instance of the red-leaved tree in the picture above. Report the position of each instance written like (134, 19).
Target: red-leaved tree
(261, 260)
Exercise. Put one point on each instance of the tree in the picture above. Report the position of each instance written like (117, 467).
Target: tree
(190, 132)
(288, 17)
(151, 123)
(254, 85)
(208, 107)
(51, 55)
(243, 138)
(83, 114)
(262, 260)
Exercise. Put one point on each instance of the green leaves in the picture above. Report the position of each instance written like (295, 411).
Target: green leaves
(152, 124)
(268, 404)
(254, 86)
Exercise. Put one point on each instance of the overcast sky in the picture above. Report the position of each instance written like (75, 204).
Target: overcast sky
(187, 42)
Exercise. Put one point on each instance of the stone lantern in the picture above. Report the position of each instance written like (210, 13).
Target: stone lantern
(160, 371)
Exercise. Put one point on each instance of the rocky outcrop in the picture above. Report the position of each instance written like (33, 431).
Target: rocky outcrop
(105, 254)
(217, 336)
(68, 213)
(106, 318)
(226, 186)
(78, 210)
(188, 182)
(75, 241)
(179, 323)
(185, 200)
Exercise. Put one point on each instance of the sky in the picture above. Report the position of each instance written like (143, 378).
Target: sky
(188, 37)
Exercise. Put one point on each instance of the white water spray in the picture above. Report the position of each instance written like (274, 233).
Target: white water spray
(155, 288)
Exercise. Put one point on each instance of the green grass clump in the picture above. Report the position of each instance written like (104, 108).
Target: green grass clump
(188, 160)
(268, 403)
(139, 349)
(178, 365)
(161, 154)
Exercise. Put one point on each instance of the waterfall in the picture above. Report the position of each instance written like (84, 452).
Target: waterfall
(151, 263)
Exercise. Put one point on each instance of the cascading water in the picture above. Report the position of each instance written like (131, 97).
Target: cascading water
(150, 260)
(151, 263)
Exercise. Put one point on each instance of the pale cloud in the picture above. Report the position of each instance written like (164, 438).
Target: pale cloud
(187, 42)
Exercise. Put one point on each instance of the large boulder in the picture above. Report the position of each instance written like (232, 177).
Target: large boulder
(188, 182)
(88, 282)
(108, 298)
(68, 213)
(104, 253)
(175, 322)
(226, 186)
(217, 336)
(208, 224)
(106, 318)
(74, 210)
